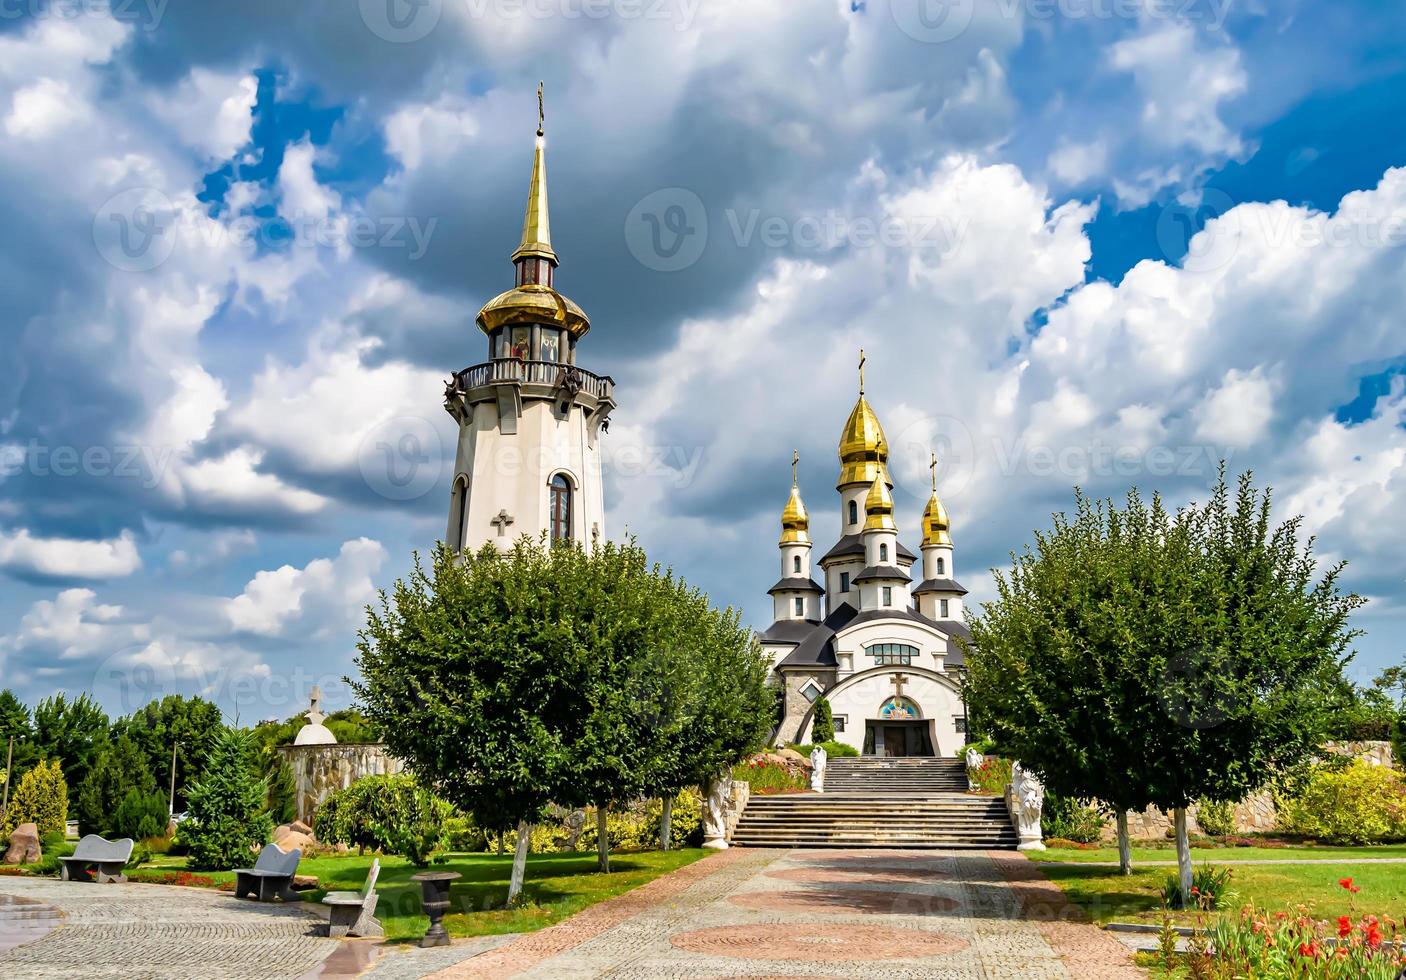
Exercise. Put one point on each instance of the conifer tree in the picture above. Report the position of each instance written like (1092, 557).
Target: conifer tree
(40, 799)
(226, 820)
(822, 729)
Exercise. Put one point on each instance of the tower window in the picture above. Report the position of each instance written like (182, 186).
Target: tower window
(893, 654)
(883, 552)
(551, 345)
(519, 343)
(853, 512)
(800, 606)
(796, 564)
(888, 595)
(942, 566)
(844, 581)
(943, 604)
(461, 514)
(560, 500)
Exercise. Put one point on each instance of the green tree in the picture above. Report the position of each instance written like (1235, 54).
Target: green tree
(226, 818)
(41, 798)
(75, 732)
(394, 814)
(155, 728)
(282, 791)
(20, 753)
(119, 768)
(822, 729)
(139, 816)
(1144, 658)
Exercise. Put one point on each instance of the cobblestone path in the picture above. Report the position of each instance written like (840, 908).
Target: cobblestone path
(764, 914)
(163, 933)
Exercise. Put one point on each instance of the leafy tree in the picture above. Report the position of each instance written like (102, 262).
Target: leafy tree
(822, 728)
(1144, 658)
(387, 813)
(14, 724)
(75, 732)
(41, 798)
(193, 722)
(226, 819)
(282, 800)
(119, 768)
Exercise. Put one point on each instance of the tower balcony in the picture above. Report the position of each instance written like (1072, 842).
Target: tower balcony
(510, 381)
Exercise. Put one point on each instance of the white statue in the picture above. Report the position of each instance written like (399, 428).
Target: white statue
(1025, 797)
(715, 811)
(817, 769)
(974, 761)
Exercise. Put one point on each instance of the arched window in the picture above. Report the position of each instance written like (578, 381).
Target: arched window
(459, 525)
(899, 707)
(561, 515)
(883, 552)
(853, 512)
(796, 564)
(942, 566)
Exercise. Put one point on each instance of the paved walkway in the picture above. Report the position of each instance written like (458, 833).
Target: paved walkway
(1199, 856)
(823, 914)
(163, 933)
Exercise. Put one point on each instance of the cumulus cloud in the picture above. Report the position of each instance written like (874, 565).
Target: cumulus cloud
(324, 595)
(67, 558)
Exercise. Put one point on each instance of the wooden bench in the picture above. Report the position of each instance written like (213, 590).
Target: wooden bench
(354, 913)
(271, 876)
(105, 857)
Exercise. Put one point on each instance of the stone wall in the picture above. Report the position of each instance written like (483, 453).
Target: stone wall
(318, 770)
(1255, 815)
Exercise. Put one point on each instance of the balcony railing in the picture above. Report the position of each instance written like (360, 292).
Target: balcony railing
(510, 370)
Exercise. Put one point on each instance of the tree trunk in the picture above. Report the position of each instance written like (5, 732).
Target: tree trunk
(602, 840)
(524, 838)
(1125, 846)
(1183, 856)
(501, 834)
(665, 823)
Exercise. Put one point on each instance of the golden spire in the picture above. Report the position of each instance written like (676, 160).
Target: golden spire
(878, 505)
(537, 223)
(795, 520)
(864, 449)
(936, 527)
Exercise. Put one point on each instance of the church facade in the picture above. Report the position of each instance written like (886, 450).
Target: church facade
(879, 639)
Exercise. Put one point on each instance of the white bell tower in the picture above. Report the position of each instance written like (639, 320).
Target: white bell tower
(530, 420)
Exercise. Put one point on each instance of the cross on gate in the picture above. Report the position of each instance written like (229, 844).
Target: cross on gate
(501, 522)
(898, 681)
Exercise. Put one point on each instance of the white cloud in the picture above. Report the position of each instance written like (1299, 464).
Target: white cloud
(1076, 163)
(69, 558)
(1238, 412)
(210, 111)
(44, 109)
(72, 626)
(324, 595)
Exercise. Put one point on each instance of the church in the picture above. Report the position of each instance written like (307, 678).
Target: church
(881, 651)
(884, 653)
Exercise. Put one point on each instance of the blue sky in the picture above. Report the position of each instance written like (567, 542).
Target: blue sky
(1094, 243)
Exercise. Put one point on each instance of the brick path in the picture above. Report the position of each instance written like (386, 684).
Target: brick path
(163, 933)
(764, 914)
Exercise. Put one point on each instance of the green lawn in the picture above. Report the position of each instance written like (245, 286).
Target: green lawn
(1109, 897)
(557, 885)
(1217, 855)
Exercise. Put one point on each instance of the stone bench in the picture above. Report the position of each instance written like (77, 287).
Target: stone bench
(354, 913)
(271, 876)
(105, 858)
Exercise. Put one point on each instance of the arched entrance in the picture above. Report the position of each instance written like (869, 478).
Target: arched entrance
(899, 731)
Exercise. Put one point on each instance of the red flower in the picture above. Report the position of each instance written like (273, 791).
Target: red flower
(1344, 927)
(1309, 949)
(1373, 934)
(1347, 883)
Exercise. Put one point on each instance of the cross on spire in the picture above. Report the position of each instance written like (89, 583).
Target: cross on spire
(861, 370)
(541, 111)
(795, 461)
(315, 714)
(933, 466)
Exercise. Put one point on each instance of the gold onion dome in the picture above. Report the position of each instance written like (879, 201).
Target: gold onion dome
(795, 520)
(936, 527)
(864, 449)
(878, 505)
(535, 302)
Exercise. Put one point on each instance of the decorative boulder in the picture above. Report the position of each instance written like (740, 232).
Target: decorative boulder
(290, 839)
(24, 845)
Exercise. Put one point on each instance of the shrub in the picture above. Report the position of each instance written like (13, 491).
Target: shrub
(141, 854)
(158, 845)
(1354, 804)
(226, 821)
(140, 815)
(1216, 817)
(832, 749)
(822, 729)
(394, 814)
(1068, 819)
(768, 777)
(41, 799)
(462, 834)
(1210, 888)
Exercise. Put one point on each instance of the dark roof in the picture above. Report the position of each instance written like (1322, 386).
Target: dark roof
(940, 585)
(795, 585)
(817, 649)
(787, 631)
(957, 630)
(873, 614)
(853, 544)
(875, 573)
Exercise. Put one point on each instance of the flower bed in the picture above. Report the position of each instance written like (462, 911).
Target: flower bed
(769, 777)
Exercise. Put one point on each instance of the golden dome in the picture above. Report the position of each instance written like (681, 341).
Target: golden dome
(864, 449)
(795, 521)
(533, 303)
(936, 527)
(878, 505)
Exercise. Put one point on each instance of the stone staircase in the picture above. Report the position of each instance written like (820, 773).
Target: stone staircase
(873, 802)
